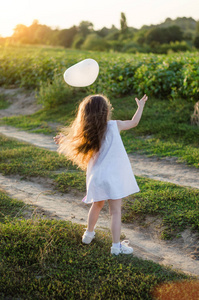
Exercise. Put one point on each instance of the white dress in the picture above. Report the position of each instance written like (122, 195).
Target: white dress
(109, 173)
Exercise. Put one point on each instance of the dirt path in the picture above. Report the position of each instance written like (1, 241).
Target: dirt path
(21, 102)
(155, 168)
(181, 253)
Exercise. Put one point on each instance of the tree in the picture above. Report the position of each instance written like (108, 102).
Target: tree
(95, 43)
(196, 42)
(20, 33)
(123, 23)
(174, 34)
(164, 35)
(113, 34)
(197, 28)
(66, 36)
(85, 27)
(103, 32)
(39, 34)
(78, 41)
(34, 34)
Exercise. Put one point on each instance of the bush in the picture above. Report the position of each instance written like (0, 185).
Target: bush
(54, 92)
(132, 47)
(78, 41)
(196, 42)
(94, 42)
(157, 78)
(170, 47)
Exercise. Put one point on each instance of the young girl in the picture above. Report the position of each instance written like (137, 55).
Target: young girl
(93, 142)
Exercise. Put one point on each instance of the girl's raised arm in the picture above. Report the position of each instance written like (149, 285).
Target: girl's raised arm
(125, 125)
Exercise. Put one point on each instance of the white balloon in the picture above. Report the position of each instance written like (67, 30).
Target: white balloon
(82, 74)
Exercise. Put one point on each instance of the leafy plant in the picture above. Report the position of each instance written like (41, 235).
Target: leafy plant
(54, 92)
(174, 75)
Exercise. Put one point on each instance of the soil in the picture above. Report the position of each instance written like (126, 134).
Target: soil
(21, 102)
(181, 253)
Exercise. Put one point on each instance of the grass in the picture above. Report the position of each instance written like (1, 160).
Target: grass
(164, 130)
(176, 206)
(155, 147)
(3, 101)
(29, 161)
(45, 259)
(9, 207)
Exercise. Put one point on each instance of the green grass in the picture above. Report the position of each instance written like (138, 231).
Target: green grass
(176, 206)
(165, 120)
(3, 101)
(9, 207)
(40, 121)
(29, 161)
(71, 180)
(43, 259)
(155, 147)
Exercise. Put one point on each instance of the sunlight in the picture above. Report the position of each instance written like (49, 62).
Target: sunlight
(65, 14)
(13, 13)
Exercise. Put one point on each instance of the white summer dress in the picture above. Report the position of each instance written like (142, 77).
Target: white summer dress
(109, 173)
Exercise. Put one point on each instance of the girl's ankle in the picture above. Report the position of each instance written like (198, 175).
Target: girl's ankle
(90, 233)
(116, 245)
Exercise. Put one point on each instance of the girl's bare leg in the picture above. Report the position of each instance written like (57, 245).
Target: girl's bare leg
(94, 214)
(115, 212)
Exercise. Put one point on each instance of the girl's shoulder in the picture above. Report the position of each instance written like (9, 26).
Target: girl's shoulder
(111, 122)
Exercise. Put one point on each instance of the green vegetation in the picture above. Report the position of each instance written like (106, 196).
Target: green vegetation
(162, 76)
(29, 161)
(3, 101)
(155, 147)
(171, 36)
(71, 180)
(9, 208)
(176, 206)
(46, 260)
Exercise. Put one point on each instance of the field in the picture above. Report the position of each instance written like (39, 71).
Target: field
(44, 259)
(163, 76)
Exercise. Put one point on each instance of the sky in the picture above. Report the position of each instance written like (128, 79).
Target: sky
(64, 14)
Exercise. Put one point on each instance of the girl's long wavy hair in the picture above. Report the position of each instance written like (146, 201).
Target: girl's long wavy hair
(84, 137)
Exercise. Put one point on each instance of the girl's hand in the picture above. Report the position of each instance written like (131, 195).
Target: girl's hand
(142, 101)
(57, 138)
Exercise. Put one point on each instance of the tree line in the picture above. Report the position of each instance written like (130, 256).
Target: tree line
(181, 34)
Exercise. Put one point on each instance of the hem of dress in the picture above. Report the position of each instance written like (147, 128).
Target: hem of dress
(126, 195)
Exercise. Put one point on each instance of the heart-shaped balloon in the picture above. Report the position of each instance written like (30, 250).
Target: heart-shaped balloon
(82, 74)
